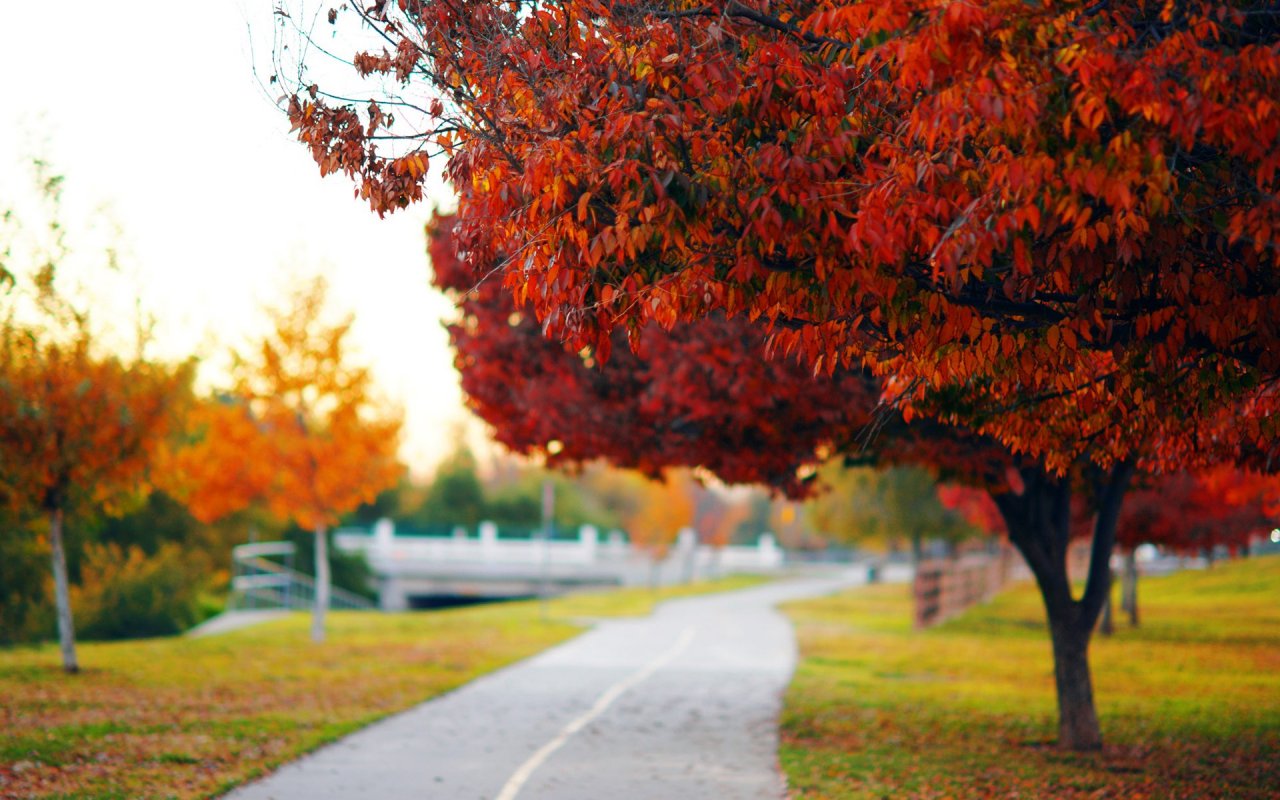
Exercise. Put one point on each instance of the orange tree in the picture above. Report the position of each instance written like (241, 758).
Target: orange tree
(300, 433)
(1054, 223)
(78, 429)
(81, 428)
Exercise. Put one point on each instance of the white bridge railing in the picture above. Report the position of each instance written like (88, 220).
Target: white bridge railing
(260, 583)
(388, 552)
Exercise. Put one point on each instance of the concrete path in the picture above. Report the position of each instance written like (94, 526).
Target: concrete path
(682, 704)
(234, 621)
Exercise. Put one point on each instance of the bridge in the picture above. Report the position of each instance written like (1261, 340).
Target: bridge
(415, 570)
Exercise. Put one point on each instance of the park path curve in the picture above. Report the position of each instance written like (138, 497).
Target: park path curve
(680, 704)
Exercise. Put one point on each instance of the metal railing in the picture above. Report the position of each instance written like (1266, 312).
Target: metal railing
(260, 583)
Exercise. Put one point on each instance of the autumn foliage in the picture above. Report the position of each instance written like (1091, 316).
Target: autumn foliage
(79, 429)
(299, 433)
(699, 395)
(1054, 225)
(1065, 202)
(1194, 512)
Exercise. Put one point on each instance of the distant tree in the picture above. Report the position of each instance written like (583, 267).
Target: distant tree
(80, 427)
(884, 506)
(158, 520)
(666, 506)
(1192, 512)
(973, 505)
(300, 432)
(26, 608)
(718, 516)
(578, 501)
(455, 495)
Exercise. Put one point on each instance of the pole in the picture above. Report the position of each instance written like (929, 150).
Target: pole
(548, 511)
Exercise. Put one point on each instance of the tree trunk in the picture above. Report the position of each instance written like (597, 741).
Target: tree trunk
(62, 594)
(322, 585)
(1078, 727)
(1129, 588)
(1038, 521)
(1106, 626)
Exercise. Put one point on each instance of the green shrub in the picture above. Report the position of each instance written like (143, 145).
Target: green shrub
(127, 594)
(26, 586)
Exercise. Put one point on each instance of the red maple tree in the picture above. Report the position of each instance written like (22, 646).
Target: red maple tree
(1192, 513)
(707, 394)
(1055, 224)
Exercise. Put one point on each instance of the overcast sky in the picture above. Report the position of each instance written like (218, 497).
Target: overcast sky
(152, 109)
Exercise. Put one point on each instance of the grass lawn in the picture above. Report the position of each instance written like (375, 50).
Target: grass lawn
(193, 717)
(1189, 702)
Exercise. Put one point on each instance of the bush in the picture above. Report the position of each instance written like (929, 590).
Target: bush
(127, 594)
(26, 586)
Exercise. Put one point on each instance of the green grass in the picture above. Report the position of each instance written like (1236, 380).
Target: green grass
(191, 718)
(1189, 702)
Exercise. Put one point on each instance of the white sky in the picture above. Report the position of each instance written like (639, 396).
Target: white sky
(151, 108)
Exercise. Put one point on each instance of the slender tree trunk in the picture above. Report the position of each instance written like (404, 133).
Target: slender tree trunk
(322, 584)
(1129, 588)
(917, 550)
(62, 594)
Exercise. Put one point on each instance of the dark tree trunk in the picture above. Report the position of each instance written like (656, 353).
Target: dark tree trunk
(1129, 588)
(1106, 626)
(1078, 727)
(1038, 521)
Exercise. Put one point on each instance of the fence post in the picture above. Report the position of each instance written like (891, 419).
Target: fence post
(943, 589)
(589, 542)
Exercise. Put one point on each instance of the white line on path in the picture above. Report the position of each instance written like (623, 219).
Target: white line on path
(518, 778)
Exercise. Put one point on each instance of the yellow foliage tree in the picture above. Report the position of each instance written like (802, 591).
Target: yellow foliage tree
(300, 432)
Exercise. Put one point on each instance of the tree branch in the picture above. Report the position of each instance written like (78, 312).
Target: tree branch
(1104, 539)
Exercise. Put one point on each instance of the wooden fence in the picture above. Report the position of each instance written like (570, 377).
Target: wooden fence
(947, 586)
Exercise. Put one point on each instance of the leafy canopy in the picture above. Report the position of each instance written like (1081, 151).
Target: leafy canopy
(1067, 209)
(300, 431)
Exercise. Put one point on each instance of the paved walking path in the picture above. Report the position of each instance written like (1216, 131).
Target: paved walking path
(682, 704)
(235, 620)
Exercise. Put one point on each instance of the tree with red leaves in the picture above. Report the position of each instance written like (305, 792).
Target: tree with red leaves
(1055, 224)
(1192, 512)
(704, 394)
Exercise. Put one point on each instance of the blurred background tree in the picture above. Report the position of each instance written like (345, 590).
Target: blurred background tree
(82, 427)
(889, 510)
